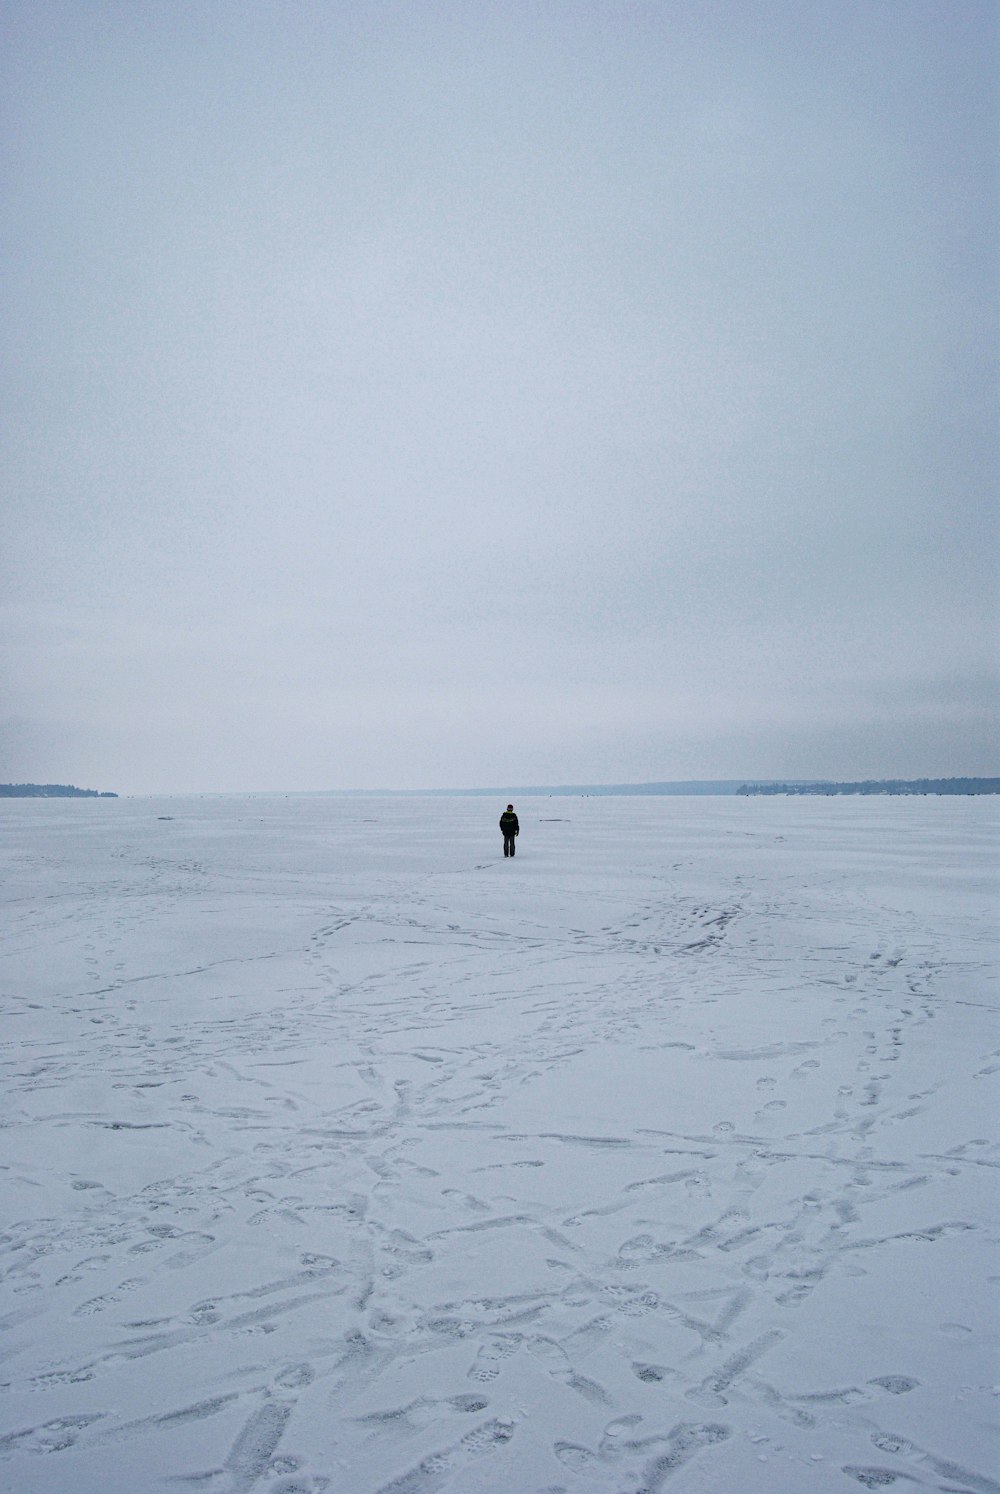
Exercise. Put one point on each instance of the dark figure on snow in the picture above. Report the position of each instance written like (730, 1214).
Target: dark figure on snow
(510, 827)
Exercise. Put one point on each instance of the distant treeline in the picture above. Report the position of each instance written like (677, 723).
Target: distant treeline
(49, 791)
(882, 786)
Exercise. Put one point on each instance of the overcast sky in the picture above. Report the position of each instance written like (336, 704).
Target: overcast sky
(437, 394)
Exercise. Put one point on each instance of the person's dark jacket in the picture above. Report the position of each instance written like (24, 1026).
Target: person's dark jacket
(508, 822)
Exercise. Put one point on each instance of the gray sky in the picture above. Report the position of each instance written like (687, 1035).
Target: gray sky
(432, 394)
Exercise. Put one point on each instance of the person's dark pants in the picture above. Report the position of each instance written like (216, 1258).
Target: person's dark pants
(508, 842)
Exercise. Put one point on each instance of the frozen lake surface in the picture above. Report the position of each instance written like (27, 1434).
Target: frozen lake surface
(341, 1154)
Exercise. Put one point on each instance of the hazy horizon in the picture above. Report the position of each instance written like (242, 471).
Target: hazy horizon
(679, 788)
(498, 393)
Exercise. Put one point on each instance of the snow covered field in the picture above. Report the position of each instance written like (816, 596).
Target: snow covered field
(341, 1154)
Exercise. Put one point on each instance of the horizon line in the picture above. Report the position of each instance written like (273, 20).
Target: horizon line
(680, 786)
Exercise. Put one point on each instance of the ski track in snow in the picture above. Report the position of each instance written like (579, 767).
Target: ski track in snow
(342, 1155)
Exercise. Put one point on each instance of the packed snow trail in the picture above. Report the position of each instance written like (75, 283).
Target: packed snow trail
(342, 1154)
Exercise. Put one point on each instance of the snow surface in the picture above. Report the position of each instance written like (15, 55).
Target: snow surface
(342, 1154)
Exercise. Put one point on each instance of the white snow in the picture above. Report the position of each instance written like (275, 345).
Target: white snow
(342, 1154)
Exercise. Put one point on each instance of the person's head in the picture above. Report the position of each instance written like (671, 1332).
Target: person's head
(510, 806)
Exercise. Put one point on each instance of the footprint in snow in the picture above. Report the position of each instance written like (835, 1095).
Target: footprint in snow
(491, 1355)
(578, 1459)
(616, 1435)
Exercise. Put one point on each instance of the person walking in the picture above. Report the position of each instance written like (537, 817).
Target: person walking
(510, 828)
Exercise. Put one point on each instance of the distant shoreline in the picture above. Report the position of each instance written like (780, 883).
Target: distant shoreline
(50, 791)
(697, 787)
(713, 786)
(882, 786)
